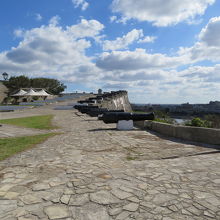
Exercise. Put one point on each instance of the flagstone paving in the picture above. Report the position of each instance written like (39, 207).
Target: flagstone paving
(94, 172)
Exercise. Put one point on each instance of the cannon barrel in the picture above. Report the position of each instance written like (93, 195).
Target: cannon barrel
(114, 117)
(96, 111)
(87, 101)
(85, 109)
(99, 111)
(82, 101)
(79, 106)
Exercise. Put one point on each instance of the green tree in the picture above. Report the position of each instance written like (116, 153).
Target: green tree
(162, 116)
(198, 122)
(17, 82)
(53, 86)
(214, 119)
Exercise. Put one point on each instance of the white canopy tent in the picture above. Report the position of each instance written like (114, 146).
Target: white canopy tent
(42, 92)
(21, 92)
(31, 92)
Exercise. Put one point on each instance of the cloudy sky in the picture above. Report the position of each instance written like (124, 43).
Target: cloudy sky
(160, 51)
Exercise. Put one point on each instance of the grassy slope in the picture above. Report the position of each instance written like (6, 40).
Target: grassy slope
(11, 146)
(40, 122)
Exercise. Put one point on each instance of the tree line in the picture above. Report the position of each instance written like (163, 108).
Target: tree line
(53, 86)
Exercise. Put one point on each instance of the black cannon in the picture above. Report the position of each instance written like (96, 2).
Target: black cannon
(96, 111)
(85, 109)
(87, 101)
(79, 106)
(99, 111)
(92, 101)
(114, 117)
(82, 102)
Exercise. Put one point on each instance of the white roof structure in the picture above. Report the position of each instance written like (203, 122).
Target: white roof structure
(43, 93)
(20, 93)
(31, 92)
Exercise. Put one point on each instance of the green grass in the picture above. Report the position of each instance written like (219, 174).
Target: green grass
(40, 122)
(167, 121)
(11, 146)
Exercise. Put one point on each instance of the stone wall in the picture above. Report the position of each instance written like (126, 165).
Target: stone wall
(3, 92)
(118, 101)
(197, 134)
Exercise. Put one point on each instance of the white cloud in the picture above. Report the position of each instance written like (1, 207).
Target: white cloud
(124, 41)
(113, 18)
(136, 60)
(155, 75)
(147, 39)
(205, 74)
(38, 17)
(117, 85)
(19, 33)
(86, 28)
(160, 12)
(208, 45)
(54, 20)
(210, 35)
(53, 51)
(197, 84)
(81, 3)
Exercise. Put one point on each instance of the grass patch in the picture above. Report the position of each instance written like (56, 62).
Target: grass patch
(11, 146)
(40, 122)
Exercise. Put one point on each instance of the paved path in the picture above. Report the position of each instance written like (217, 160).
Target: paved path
(93, 172)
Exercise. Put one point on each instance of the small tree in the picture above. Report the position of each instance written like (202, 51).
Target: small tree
(198, 122)
(17, 82)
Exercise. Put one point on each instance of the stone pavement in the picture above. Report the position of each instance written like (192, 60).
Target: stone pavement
(93, 172)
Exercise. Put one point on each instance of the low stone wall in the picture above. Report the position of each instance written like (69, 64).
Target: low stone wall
(197, 134)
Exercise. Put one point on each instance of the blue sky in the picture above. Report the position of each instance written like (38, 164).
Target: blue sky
(160, 53)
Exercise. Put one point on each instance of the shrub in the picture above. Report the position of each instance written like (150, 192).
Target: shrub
(167, 120)
(163, 117)
(214, 120)
(198, 122)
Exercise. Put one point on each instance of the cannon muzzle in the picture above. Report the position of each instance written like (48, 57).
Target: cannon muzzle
(114, 117)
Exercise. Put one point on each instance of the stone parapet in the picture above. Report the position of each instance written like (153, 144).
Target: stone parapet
(197, 134)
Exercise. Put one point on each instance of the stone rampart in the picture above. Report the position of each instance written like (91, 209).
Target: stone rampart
(197, 134)
(117, 101)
